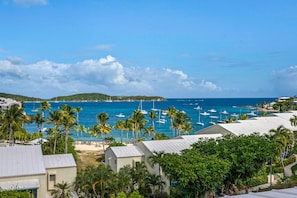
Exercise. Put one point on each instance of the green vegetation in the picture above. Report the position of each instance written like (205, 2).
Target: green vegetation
(19, 97)
(15, 194)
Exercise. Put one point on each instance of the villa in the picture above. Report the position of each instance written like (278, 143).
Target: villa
(25, 168)
(6, 103)
(118, 157)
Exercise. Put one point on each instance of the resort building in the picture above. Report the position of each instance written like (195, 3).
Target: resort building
(25, 168)
(118, 157)
(5, 103)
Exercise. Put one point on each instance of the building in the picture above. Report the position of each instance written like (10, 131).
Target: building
(6, 103)
(117, 157)
(25, 168)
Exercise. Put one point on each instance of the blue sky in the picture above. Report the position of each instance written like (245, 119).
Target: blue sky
(174, 49)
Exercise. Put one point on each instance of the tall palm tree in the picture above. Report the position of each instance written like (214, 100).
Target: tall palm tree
(171, 114)
(77, 110)
(284, 138)
(120, 126)
(293, 120)
(150, 130)
(62, 190)
(55, 119)
(154, 181)
(105, 128)
(12, 120)
(39, 120)
(138, 122)
(179, 121)
(44, 106)
(128, 128)
(68, 122)
(155, 159)
(152, 116)
(81, 128)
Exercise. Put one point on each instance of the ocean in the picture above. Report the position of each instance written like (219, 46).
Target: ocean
(217, 108)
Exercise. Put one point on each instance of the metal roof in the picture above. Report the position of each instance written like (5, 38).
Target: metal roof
(282, 193)
(20, 184)
(261, 125)
(59, 161)
(126, 151)
(21, 161)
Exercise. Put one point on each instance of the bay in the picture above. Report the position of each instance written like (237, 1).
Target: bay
(90, 110)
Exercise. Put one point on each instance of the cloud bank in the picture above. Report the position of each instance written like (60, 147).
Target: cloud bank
(47, 79)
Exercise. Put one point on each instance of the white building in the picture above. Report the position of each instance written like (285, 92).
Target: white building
(25, 168)
(5, 103)
(117, 157)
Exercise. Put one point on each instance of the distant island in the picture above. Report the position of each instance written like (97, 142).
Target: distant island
(98, 97)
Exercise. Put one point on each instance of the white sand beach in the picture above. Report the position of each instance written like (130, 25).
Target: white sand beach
(89, 146)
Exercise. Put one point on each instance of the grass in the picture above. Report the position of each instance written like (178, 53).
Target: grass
(89, 158)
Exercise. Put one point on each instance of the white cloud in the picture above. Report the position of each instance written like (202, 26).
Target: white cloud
(28, 3)
(209, 85)
(46, 79)
(14, 60)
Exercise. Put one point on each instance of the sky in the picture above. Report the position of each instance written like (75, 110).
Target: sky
(173, 49)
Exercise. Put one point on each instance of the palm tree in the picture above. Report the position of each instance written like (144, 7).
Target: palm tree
(152, 116)
(128, 128)
(68, 122)
(156, 158)
(179, 120)
(77, 110)
(171, 114)
(44, 106)
(150, 130)
(138, 123)
(154, 181)
(39, 120)
(55, 119)
(81, 128)
(120, 126)
(283, 137)
(62, 190)
(104, 127)
(12, 120)
(188, 127)
(293, 120)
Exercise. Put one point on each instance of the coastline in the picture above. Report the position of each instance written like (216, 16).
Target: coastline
(91, 146)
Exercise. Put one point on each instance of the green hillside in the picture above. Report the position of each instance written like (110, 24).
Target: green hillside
(82, 97)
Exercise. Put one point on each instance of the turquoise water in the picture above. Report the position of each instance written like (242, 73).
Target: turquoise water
(90, 110)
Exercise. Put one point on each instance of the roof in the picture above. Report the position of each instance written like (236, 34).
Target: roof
(283, 193)
(59, 161)
(20, 184)
(261, 125)
(126, 151)
(21, 161)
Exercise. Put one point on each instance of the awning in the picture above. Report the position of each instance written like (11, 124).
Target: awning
(20, 184)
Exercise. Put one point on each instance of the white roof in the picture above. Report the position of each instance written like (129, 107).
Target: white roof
(59, 161)
(283, 193)
(21, 161)
(20, 184)
(126, 151)
(261, 125)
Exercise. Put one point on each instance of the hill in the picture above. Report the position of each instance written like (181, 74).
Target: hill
(82, 97)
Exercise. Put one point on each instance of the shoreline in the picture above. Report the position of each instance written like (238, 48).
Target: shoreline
(91, 146)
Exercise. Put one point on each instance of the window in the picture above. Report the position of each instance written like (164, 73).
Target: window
(52, 178)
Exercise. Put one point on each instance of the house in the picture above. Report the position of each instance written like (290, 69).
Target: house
(6, 103)
(25, 168)
(118, 157)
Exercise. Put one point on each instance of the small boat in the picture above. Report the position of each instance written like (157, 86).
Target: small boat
(153, 108)
(205, 113)
(214, 117)
(224, 112)
(200, 123)
(212, 110)
(144, 112)
(212, 123)
(120, 115)
(252, 113)
(160, 120)
(198, 108)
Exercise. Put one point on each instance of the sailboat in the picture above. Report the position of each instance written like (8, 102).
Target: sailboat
(153, 108)
(33, 108)
(199, 122)
(161, 120)
(140, 108)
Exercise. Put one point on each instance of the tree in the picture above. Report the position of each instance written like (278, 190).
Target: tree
(155, 182)
(120, 126)
(246, 154)
(55, 119)
(68, 122)
(104, 127)
(77, 110)
(284, 140)
(193, 173)
(138, 122)
(171, 114)
(179, 121)
(152, 116)
(44, 106)
(15, 194)
(62, 190)
(12, 120)
(188, 127)
(39, 120)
